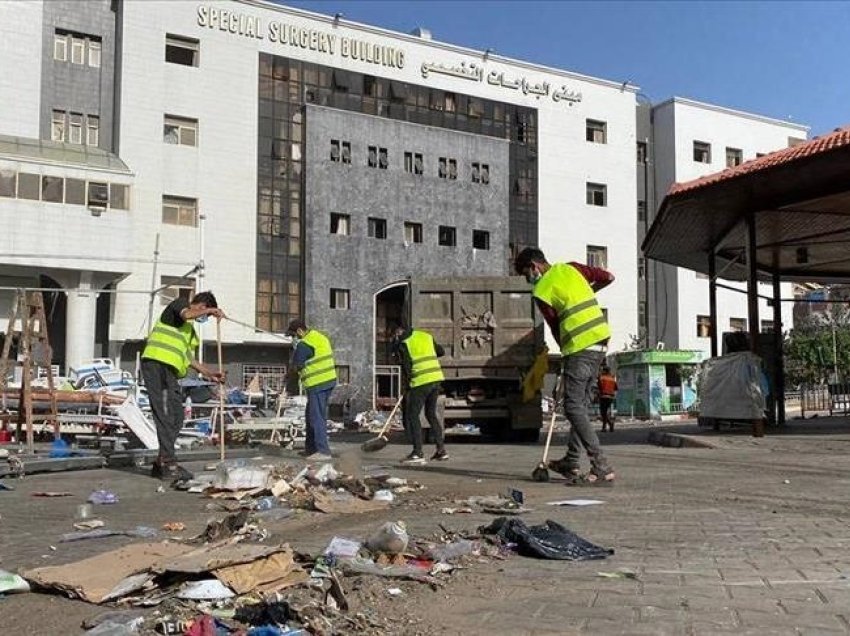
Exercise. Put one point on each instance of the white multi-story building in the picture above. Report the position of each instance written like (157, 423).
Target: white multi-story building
(300, 165)
(693, 139)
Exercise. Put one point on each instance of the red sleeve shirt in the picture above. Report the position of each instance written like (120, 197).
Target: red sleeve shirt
(597, 277)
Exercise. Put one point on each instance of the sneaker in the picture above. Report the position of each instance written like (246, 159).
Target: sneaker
(563, 466)
(440, 456)
(318, 457)
(413, 458)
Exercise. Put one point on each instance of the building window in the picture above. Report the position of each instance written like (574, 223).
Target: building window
(641, 268)
(703, 327)
(447, 168)
(75, 129)
(734, 157)
(383, 159)
(641, 211)
(29, 186)
(182, 50)
(57, 126)
(767, 326)
(340, 298)
(596, 131)
(597, 194)
(336, 151)
(98, 194)
(737, 324)
(414, 163)
(597, 256)
(92, 130)
(179, 211)
(78, 50)
(60, 47)
(75, 192)
(340, 224)
(180, 130)
(480, 173)
(8, 183)
(702, 152)
(480, 239)
(377, 228)
(94, 53)
(174, 287)
(642, 322)
(447, 236)
(642, 154)
(119, 196)
(378, 158)
(52, 189)
(346, 152)
(412, 233)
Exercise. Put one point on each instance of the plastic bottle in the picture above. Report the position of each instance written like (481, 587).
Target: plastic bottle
(266, 503)
(390, 538)
(187, 408)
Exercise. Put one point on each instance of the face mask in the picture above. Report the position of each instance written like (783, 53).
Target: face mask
(533, 277)
(202, 319)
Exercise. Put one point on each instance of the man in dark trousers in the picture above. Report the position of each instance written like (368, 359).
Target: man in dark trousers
(167, 357)
(607, 386)
(565, 293)
(423, 374)
(313, 359)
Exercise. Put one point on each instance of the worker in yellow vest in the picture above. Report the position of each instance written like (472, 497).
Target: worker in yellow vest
(423, 375)
(313, 360)
(565, 293)
(167, 357)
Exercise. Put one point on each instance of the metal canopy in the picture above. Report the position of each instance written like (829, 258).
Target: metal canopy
(799, 198)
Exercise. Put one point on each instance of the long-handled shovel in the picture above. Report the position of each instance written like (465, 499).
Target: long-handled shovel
(220, 389)
(376, 444)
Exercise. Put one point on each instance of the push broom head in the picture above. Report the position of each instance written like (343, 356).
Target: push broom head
(541, 473)
(374, 445)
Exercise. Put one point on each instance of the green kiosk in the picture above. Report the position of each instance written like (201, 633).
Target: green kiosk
(655, 382)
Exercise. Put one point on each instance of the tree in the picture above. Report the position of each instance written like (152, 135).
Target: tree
(818, 345)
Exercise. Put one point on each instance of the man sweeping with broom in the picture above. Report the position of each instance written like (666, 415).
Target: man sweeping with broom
(168, 355)
(565, 293)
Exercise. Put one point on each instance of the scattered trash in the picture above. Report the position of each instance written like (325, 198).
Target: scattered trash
(394, 591)
(395, 482)
(204, 590)
(575, 502)
(60, 449)
(345, 503)
(549, 540)
(325, 474)
(453, 550)
(174, 526)
(91, 524)
(266, 503)
(52, 494)
(343, 548)
(786, 481)
(620, 573)
(456, 511)
(84, 511)
(516, 495)
(384, 495)
(390, 538)
(265, 613)
(103, 497)
(113, 622)
(241, 478)
(498, 505)
(139, 531)
(11, 583)
(4, 486)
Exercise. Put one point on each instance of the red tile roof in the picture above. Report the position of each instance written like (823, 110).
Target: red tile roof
(837, 139)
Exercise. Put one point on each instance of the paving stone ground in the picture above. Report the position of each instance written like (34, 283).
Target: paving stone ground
(750, 537)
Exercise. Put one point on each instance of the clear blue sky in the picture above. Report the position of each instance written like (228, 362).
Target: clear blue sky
(789, 60)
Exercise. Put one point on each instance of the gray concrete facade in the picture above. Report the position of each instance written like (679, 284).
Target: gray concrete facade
(365, 265)
(80, 88)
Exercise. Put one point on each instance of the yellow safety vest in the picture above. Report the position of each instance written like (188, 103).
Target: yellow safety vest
(580, 318)
(171, 346)
(425, 368)
(321, 368)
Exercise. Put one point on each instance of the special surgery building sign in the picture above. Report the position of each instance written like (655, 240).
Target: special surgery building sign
(286, 34)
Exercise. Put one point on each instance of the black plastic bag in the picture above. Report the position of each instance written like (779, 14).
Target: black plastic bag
(550, 540)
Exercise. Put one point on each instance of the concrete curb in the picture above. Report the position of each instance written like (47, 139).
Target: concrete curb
(676, 440)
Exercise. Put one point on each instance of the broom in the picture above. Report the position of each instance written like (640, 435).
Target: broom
(374, 445)
(541, 473)
(220, 389)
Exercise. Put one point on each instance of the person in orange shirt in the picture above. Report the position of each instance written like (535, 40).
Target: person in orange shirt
(607, 385)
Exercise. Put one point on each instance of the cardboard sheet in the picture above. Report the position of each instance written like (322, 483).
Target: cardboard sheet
(277, 570)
